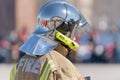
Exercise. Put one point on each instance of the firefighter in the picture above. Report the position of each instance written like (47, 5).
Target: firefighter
(52, 40)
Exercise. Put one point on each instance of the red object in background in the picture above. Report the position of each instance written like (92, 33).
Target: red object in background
(77, 38)
(23, 34)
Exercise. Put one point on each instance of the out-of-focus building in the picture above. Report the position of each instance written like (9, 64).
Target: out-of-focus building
(16, 14)
(7, 16)
(25, 14)
(106, 13)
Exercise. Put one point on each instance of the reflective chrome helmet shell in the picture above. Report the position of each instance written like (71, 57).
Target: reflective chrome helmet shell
(61, 9)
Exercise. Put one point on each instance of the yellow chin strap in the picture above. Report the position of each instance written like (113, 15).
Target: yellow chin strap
(67, 41)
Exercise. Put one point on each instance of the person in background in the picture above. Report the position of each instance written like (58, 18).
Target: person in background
(47, 47)
(4, 49)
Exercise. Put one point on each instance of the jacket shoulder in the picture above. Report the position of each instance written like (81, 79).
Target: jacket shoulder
(64, 66)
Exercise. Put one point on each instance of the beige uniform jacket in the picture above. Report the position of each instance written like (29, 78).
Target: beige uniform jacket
(51, 66)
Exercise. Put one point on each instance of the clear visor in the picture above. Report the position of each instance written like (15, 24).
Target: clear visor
(65, 27)
(50, 24)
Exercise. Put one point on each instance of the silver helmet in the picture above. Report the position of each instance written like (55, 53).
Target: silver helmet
(59, 18)
(56, 12)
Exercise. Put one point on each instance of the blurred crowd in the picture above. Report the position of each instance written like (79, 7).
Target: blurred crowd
(9, 46)
(98, 47)
(95, 47)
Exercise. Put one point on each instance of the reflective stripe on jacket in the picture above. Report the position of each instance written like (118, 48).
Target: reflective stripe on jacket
(50, 65)
(13, 73)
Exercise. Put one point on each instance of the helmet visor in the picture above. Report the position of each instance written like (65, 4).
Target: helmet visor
(59, 24)
(50, 24)
(82, 22)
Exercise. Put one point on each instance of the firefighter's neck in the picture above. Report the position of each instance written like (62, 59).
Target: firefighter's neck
(62, 50)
